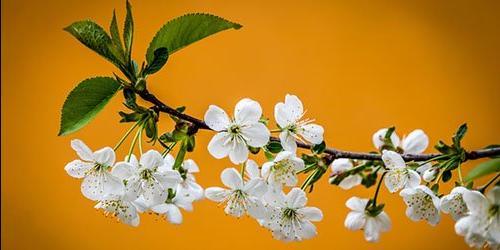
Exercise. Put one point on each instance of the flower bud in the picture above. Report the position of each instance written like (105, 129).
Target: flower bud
(429, 174)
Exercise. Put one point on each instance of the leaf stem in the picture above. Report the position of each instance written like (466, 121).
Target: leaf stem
(483, 188)
(140, 139)
(168, 149)
(132, 145)
(125, 136)
(378, 189)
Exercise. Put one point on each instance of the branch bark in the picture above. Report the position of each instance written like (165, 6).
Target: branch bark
(335, 153)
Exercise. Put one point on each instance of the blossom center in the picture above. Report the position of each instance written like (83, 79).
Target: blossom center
(283, 170)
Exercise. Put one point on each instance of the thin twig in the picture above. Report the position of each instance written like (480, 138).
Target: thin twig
(335, 153)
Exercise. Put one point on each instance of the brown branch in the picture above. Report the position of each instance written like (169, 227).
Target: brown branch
(335, 153)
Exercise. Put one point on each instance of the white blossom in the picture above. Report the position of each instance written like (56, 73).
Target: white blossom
(121, 208)
(414, 143)
(241, 197)
(171, 208)
(422, 204)
(283, 169)
(342, 165)
(235, 135)
(94, 167)
(289, 116)
(454, 203)
(188, 185)
(398, 175)
(146, 178)
(482, 224)
(360, 219)
(289, 219)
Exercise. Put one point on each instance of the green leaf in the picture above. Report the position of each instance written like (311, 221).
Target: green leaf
(115, 33)
(274, 147)
(95, 38)
(128, 31)
(187, 29)
(459, 135)
(446, 176)
(485, 168)
(159, 59)
(319, 148)
(85, 101)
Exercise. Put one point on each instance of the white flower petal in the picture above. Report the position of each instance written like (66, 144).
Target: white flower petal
(392, 159)
(355, 220)
(311, 213)
(82, 150)
(161, 208)
(174, 215)
(413, 179)
(216, 194)
(384, 221)
(231, 178)
(154, 193)
(350, 181)
(476, 203)
(168, 163)
(372, 230)
(307, 230)
(378, 138)
(151, 159)
(190, 166)
(123, 170)
(168, 178)
(415, 143)
(99, 184)
(252, 169)
(133, 190)
(313, 133)
(255, 208)
(239, 152)
(296, 198)
(105, 156)
(294, 106)
(256, 135)
(282, 115)
(288, 141)
(255, 187)
(77, 168)
(356, 204)
(266, 169)
(341, 165)
(218, 146)
(247, 111)
(216, 118)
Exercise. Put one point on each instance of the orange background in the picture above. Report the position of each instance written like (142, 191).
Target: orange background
(357, 65)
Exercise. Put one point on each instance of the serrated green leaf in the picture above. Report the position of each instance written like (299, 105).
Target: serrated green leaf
(485, 168)
(159, 59)
(128, 31)
(187, 29)
(85, 101)
(95, 38)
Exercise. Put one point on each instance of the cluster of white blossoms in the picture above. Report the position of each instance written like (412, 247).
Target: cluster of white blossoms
(125, 189)
(268, 192)
(259, 192)
(477, 216)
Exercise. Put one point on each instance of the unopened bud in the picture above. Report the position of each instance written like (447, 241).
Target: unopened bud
(429, 174)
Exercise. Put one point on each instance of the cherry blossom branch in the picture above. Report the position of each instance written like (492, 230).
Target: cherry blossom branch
(334, 153)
